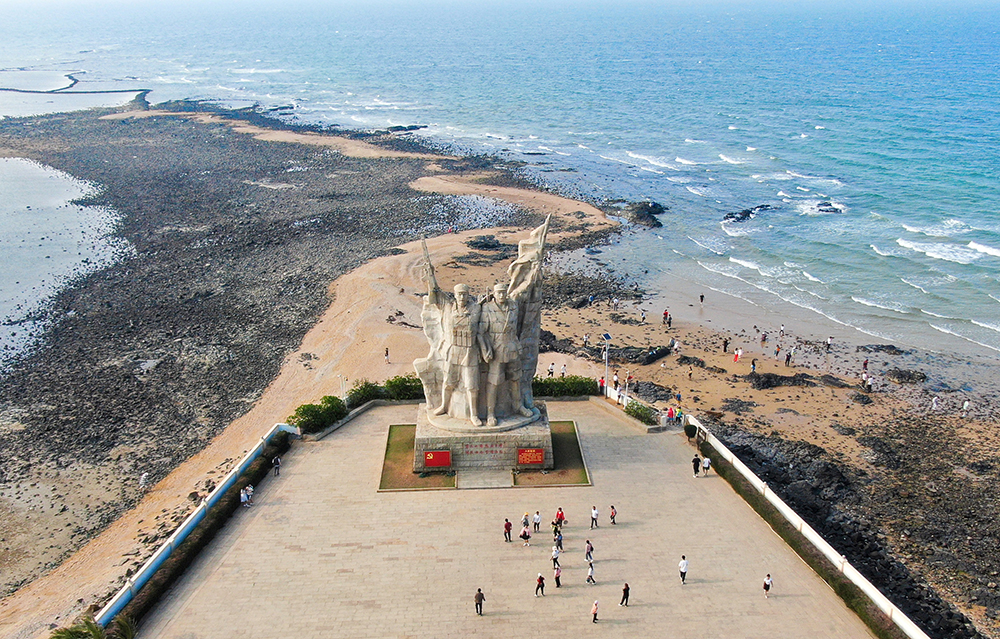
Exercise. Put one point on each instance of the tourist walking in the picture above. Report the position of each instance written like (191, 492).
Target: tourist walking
(753, 365)
(829, 343)
(614, 513)
(696, 464)
(556, 574)
(276, 462)
(560, 517)
(590, 574)
(540, 585)
(243, 498)
(588, 551)
(536, 520)
(480, 598)
(768, 582)
(562, 371)
(614, 380)
(525, 535)
(624, 601)
(386, 354)
(507, 527)
(249, 494)
(552, 369)
(965, 408)
(682, 567)
(593, 518)
(600, 386)
(526, 520)
(559, 540)
(593, 610)
(706, 465)
(555, 556)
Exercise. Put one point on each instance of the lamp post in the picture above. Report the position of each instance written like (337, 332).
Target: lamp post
(607, 346)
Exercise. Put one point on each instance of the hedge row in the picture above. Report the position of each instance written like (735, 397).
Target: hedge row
(570, 386)
(856, 600)
(643, 413)
(204, 532)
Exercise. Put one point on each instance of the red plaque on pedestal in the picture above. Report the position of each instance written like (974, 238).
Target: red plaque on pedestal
(530, 455)
(437, 458)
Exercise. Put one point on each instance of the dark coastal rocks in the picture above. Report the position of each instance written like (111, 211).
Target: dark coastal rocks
(547, 343)
(747, 214)
(655, 355)
(888, 349)
(490, 243)
(738, 406)
(567, 289)
(861, 398)
(651, 392)
(828, 207)
(883, 452)
(827, 496)
(901, 376)
(833, 381)
(644, 213)
(687, 360)
(761, 381)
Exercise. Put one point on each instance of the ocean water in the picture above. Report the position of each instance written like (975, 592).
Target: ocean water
(871, 133)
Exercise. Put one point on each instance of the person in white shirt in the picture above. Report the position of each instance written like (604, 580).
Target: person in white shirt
(593, 518)
(768, 582)
(536, 520)
(683, 568)
(555, 557)
(706, 464)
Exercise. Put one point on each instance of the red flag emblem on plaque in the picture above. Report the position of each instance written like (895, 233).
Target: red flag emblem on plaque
(437, 458)
(530, 455)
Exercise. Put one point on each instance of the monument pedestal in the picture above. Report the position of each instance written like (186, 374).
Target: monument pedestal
(510, 444)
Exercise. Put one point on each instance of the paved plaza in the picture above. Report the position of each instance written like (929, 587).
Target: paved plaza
(322, 554)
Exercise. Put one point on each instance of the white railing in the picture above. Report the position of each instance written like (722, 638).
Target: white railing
(151, 565)
(896, 615)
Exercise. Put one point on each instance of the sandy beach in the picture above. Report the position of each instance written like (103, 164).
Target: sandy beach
(911, 493)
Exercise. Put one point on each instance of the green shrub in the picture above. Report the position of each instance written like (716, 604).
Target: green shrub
(182, 556)
(643, 413)
(312, 418)
(404, 387)
(363, 392)
(569, 386)
(690, 430)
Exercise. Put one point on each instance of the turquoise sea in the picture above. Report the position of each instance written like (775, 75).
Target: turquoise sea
(872, 133)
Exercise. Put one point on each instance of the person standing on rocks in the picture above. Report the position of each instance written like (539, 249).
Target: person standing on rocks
(480, 598)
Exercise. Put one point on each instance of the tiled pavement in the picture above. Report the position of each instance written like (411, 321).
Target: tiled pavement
(322, 554)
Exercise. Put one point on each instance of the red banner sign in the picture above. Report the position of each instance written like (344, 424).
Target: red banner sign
(530, 455)
(437, 458)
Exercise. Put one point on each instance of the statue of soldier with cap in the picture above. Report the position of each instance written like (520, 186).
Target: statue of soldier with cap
(463, 347)
(499, 325)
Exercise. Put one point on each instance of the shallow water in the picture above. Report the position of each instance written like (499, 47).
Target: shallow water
(45, 242)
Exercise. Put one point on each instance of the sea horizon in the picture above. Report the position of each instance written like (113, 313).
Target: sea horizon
(863, 140)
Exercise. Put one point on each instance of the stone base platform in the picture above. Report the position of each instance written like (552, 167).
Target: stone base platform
(524, 447)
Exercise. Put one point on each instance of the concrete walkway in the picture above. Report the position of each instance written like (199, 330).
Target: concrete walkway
(322, 554)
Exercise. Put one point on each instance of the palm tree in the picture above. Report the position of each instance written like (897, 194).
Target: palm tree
(87, 628)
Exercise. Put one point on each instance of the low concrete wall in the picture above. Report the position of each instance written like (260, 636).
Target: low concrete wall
(904, 623)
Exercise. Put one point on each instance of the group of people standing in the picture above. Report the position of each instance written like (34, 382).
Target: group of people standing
(531, 524)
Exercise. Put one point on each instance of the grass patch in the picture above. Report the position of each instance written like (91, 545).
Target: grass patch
(397, 467)
(569, 469)
(856, 600)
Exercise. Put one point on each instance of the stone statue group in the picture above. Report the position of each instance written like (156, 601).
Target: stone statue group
(491, 342)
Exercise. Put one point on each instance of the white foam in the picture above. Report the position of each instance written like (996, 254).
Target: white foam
(679, 180)
(655, 161)
(690, 141)
(726, 158)
(992, 327)
(732, 128)
(941, 251)
(909, 283)
(733, 232)
(881, 252)
(873, 304)
(783, 194)
(681, 160)
(982, 248)
(812, 279)
(950, 332)
(994, 297)
(802, 188)
(751, 148)
(745, 263)
(256, 70)
(933, 314)
(697, 190)
(705, 246)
